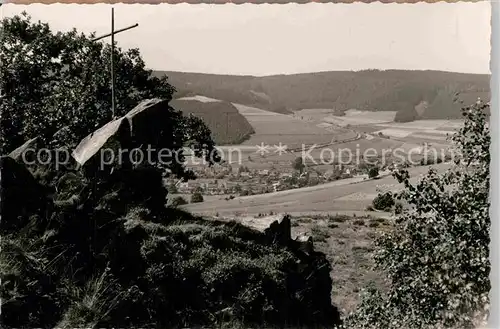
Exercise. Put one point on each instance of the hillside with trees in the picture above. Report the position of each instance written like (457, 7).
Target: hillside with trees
(374, 90)
(226, 124)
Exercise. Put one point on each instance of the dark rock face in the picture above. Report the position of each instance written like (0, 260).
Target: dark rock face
(22, 197)
(280, 231)
(305, 243)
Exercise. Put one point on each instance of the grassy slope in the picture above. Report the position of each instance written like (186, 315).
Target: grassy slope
(118, 260)
(227, 125)
(348, 243)
(397, 90)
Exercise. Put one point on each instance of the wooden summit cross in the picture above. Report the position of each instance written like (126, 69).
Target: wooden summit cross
(112, 35)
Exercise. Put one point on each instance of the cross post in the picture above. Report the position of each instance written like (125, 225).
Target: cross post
(112, 34)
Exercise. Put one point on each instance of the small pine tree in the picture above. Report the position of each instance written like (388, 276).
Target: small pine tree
(373, 172)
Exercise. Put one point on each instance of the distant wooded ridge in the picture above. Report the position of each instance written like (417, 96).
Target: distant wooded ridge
(413, 94)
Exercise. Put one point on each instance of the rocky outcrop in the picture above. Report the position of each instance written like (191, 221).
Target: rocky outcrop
(143, 125)
(305, 243)
(280, 230)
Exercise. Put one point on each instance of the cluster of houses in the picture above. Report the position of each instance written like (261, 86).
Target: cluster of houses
(244, 181)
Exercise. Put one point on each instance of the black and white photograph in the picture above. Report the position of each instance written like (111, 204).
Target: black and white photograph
(313, 165)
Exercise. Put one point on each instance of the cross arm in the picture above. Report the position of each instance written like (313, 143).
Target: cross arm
(115, 32)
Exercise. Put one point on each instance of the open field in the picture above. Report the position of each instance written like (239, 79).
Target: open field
(425, 129)
(274, 128)
(355, 118)
(410, 148)
(329, 197)
(348, 243)
(270, 128)
(369, 133)
(375, 123)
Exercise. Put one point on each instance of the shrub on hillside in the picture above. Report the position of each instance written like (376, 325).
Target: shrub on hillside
(46, 78)
(383, 201)
(178, 201)
(196, 197)
(436, 257)
(398, 208)
(373, 172)
(245, 193)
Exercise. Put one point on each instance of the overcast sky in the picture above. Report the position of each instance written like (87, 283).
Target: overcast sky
(274, 39)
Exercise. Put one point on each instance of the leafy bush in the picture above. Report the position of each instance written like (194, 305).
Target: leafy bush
(41, 73)
(196, 197)
(178, 201)
(398, 208)
(384, 201)
(436, 257)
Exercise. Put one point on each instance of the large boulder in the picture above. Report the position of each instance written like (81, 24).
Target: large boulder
(106, 157)
(145, 124)
(305, 243)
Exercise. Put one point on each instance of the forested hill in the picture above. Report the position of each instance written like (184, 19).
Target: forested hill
(435, 94)
(226, 124)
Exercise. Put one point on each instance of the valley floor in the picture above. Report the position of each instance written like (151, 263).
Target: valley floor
(342, 196)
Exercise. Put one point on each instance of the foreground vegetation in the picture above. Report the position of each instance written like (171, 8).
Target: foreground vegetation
(104, 264)
(428, 267)
(91, 246)
(436, 257)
